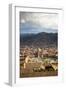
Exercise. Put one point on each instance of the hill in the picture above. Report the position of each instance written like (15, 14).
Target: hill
(42, 39)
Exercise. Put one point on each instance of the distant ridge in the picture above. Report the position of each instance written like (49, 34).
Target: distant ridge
(42, 39)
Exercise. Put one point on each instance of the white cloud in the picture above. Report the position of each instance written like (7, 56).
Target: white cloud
(41, 19)
(23, 21)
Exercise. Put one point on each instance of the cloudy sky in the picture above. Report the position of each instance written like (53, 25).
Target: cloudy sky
(38, 22)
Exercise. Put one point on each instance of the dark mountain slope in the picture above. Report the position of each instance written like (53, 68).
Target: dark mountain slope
(39, 40)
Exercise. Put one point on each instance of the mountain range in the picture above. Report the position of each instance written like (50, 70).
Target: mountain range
(42, 39)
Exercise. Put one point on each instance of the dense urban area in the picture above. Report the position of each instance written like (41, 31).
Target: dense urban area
(36, 62)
